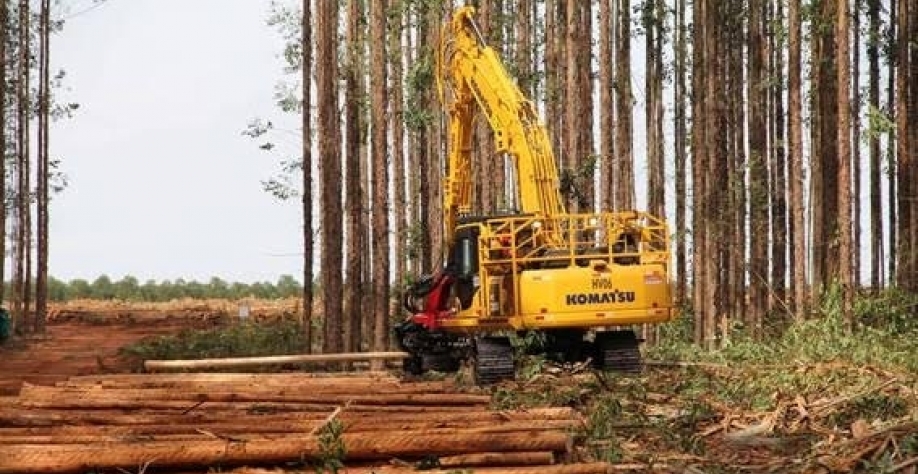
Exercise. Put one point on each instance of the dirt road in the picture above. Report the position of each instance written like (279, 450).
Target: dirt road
(79, 346)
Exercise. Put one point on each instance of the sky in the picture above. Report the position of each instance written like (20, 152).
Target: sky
(162, 184)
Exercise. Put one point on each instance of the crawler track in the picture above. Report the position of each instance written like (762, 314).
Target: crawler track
(493, 361)
(619, 351)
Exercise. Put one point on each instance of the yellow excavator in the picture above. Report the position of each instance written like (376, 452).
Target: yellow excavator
(577, 280)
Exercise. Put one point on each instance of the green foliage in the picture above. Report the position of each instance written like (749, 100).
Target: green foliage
(892, 310)
(878, 123)
(604, 411)
(909, 444)
(287, 20)
(873, 406)
(240, 340)
(574, 181)
(418, 83)
(129, 289)
(680, 432)
(531, 366)
(286, 183)
(886, 336)
(332, 450)
(513, 397)
(414, 235)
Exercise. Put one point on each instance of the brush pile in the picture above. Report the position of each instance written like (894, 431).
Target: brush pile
(703, 418)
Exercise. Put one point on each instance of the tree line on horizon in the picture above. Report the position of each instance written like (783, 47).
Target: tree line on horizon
(792, 123)
(129, 288)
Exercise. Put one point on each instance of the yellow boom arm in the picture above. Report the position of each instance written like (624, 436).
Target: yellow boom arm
(468, 73)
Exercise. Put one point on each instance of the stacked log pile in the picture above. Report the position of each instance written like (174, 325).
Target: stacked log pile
(371, 422)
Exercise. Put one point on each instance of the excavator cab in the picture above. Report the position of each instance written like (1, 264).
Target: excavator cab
(463, 264)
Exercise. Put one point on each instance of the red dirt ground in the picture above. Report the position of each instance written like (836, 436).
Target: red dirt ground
(76, 346)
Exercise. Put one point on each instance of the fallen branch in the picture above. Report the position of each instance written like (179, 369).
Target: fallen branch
(904, 464)
(327, 420)
(840, 400)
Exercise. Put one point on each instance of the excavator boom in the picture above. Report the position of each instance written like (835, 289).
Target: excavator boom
(471, 77)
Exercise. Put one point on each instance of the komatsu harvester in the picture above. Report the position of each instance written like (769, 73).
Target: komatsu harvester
(580, 280)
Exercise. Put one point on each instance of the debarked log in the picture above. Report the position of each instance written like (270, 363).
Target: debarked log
(24, 417)
(523, 458)
(231, 362)
(43, 458)
(253, 429)
(582, 468)
(282, 377)
(63, 397)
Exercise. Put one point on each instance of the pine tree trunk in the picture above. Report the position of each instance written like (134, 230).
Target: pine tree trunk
(434, 146)
(502, 35)
(397, 126)
(552, 73)
(624, 100)
(653, 109)
(585, 153)
(353, 139)
(422, 150)
(906, 187)
(679, 156)
(362, 319)
(653, 114)
(483, 137)
(4, 67)
(892, 174)
(758, 183)
(825, 198)
(913, 146)
(572, 106)
(525, 59)
(779, 163)
(415, 230)
(21, 255)
(845, 250)
(378, 86)
(795, 149)
(712, 205)
(855, 138)
(41, 283)
(308, 243)
(736, 286)
(330, 170)
(606, 108)
(816, 208)
(876, 217)
(698, 161)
